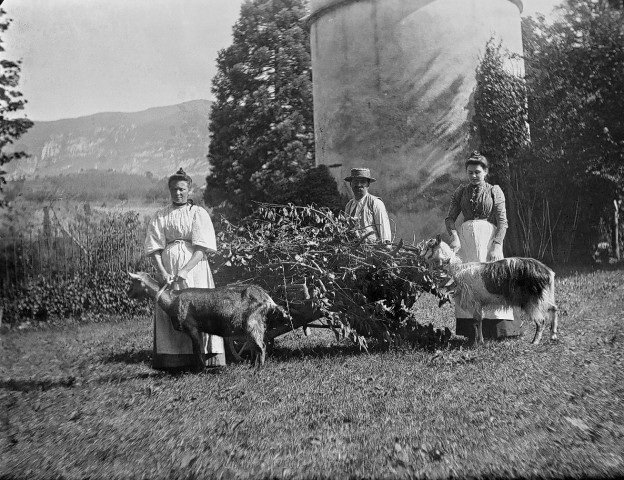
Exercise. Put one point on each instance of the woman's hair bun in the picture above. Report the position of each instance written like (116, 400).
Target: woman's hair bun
(477, 159)
(180, 175)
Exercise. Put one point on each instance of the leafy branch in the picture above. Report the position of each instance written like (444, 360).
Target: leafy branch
(360, 290)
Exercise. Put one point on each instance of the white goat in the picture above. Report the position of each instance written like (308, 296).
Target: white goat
(523, 283)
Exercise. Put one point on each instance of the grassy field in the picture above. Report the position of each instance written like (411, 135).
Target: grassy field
(82, 401)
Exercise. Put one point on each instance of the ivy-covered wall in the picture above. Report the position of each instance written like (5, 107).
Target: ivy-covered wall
(393, 82)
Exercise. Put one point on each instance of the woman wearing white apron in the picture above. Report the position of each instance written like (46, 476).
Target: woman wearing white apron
(480, 239)
(177, 238)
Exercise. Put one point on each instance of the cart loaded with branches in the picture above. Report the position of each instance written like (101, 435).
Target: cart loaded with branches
(317, 266)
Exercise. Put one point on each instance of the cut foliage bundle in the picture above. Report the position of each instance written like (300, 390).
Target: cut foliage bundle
(314, 263)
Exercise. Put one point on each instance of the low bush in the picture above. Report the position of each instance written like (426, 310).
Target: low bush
(77, 296)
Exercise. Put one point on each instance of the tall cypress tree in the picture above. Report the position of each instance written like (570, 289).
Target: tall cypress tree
(261, 124)
(500, 121)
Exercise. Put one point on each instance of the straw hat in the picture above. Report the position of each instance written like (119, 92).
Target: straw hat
(360, 173)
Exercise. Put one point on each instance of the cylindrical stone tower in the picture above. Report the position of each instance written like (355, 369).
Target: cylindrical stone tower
(393, 82)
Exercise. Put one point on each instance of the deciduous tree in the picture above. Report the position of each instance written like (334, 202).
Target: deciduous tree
(576, 96)
(11, 101)
(567, 176)
(574, 74)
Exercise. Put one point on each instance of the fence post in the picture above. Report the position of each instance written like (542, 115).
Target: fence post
(6, 265)
(30, 256)
(86, 252)
(125, 240)
(47, 224)
(63, 241)
(616, 228)
(14, 256)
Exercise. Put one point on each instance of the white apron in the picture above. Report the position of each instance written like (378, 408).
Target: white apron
(476, 237)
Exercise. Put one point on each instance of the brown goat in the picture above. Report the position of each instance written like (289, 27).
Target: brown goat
(225, 311)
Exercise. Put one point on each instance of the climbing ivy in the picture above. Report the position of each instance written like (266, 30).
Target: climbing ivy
(500, 109)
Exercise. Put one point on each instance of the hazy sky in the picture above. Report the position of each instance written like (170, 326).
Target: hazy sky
(87, 56)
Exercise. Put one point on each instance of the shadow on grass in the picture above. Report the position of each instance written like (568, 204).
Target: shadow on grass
(69, 381)
(289, 354)
(131, 357)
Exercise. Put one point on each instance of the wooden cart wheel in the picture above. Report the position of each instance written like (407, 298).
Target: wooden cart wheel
(237, 350)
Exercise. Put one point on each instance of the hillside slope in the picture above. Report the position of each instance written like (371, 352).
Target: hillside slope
(158, 140)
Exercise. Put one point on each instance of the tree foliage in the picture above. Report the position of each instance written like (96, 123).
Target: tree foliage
(11, 101)
(574, 73)
(561, 182)
(500, 103)
(500, 125)
(261, 124)
(315, 186)
(576, 96)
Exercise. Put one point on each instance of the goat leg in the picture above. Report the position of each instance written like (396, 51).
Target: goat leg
(539, 329)
(554, 323)
(259, 355)
(175, 322)
(198, 351)
(478, 329)
(255, 336)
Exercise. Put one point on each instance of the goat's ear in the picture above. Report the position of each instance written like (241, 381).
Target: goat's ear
(134, 275)
(438, 239)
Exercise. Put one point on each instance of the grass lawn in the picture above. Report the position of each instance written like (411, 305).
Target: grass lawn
(82, 401)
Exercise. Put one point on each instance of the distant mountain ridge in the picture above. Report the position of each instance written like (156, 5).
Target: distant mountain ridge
(158, 140)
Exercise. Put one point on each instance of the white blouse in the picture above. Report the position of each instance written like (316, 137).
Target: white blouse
(190, 223)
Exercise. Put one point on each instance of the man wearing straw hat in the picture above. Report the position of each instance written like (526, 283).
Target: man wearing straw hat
(368, 210)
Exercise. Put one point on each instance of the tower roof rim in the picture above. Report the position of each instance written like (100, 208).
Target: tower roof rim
(334, 4)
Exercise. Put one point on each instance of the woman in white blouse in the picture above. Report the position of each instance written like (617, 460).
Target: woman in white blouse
(177, 239)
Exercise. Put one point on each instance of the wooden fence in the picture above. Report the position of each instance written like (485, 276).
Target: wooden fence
(61, 256)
